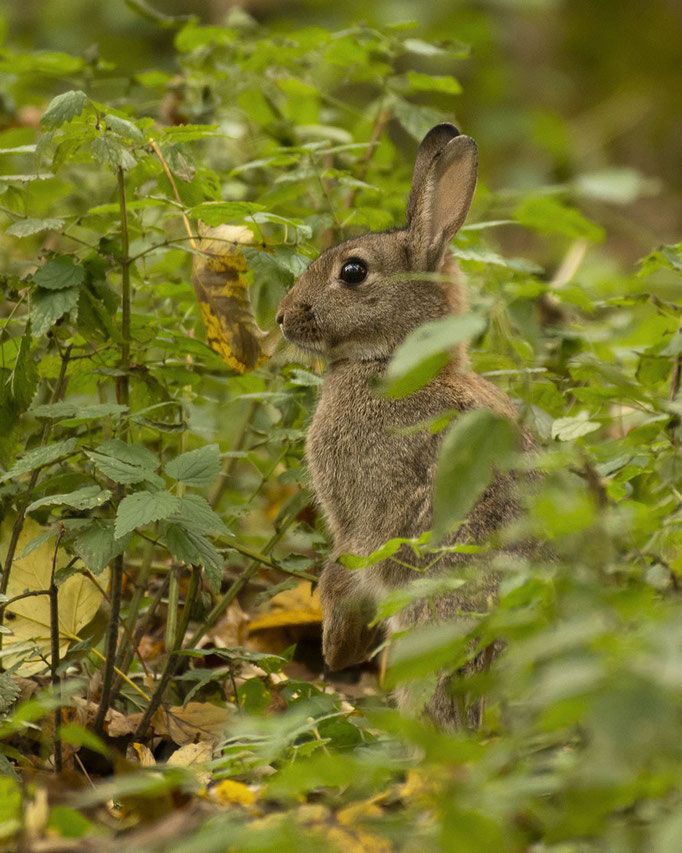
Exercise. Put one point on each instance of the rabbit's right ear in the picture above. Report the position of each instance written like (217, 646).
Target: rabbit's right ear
(443, 185)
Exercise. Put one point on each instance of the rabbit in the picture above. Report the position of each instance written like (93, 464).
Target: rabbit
(372, 478)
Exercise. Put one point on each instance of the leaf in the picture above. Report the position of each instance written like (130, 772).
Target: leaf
(550, 216)
(126, 463)
(109, 152)
(568, 429)
(24, 376)
(9, 691)
(72, 414)
(222, 289)
(77, 735)
(97, 546)
(297, 606)
(26, 227)
(228, 791)
(59, 273)
(39, 456)
(196, 467)
(124, 128)
(215, 213)
(48, 306)
(427, 350)
(188, 546)
(195, 722)
(140, 508)
(196, 514)
(476, 445)
(86, 498)
(428, 83)
(78, 600)
(674, 346)
(63, 108)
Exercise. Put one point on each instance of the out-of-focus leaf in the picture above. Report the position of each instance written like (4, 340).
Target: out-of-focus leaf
(298, 606)
(26, 227)
(219, 275)
(568, 429)
(548, 215)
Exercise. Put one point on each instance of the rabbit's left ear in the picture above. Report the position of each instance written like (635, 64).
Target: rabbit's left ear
(442, 188)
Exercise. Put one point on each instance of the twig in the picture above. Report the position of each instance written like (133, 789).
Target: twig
(155, 148)
(173, 659)
(54, 653)
(385, 115)
(111, 644)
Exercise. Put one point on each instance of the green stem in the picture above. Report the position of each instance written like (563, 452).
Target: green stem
(54, 653)
(134, 608)
(173, 660)
(173, 601)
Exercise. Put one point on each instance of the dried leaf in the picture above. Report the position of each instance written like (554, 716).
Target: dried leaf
(221, 286)
(297, 606)
(142, 754)
(78, 600)
(197, 721)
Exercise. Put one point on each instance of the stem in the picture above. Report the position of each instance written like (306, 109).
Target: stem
(124, 383)
(111, 643)
(230, 462)
(269, 562)
(383, 118)
(173, 659)
(128, 640)
(173, 601)
(54, 653)
(169, 175)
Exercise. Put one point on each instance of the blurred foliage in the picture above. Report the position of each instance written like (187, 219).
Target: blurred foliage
(126, 438)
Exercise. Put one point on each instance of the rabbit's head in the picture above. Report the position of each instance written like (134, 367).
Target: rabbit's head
(360, 299)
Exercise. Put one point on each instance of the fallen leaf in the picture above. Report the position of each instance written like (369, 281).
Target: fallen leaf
(190, 754)
(197, 721)
(141, 753)
(228, 792)
(297, 606)
(222, 289)
(78, 598)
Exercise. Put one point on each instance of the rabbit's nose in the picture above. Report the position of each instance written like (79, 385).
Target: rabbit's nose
(279, 319)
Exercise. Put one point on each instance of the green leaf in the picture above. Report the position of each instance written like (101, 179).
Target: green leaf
(568, 429)
(352, 561)
(24, 376)
(59, 273)
(72, 414)
(427, 83)
(9, 691)
(674, 346)
(39, 456)
(427, 350)
(218, 212)
(86, 498)
(26, 227)
(63, 108)
(109, 152)
(479, 443)
(140, 508)
(124, 128)
(196, 514)
(196, 467)
(48, 306)
(548, 215)
(79, 736)
(126, 463)
(67, 822)
(188, 546)
(97, 546)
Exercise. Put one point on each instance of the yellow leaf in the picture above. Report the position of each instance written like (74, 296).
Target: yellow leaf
(297, 606)
(190, 754)
(78, 600)
(222, 289)
(228, 791)
(144, 754)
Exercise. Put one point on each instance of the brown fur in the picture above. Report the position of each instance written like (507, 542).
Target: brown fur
(373, 480)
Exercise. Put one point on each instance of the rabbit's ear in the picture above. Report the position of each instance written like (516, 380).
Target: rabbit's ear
(442, 188)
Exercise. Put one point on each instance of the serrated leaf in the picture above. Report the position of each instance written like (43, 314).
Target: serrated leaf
(86, 498)
(193, 548)
(106, 150)
(48, 306)
(24, 376)
(97, 546)
(59, 273)
(9, 691)
(479, 443)
(68, 412)
(39, 456)
(196, 467)
(124, 128)
(220, 212)
(568, 429)
(196, 514)
(63, 108)
(126, 463)
(427, 350)
(26, 227)
(140, 508)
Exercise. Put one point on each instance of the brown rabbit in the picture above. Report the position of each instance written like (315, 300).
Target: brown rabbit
(374, 480)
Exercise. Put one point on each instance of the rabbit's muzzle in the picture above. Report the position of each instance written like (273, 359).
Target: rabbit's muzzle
(298, 325)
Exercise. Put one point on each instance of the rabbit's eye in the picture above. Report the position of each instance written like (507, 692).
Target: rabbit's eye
(353, 271)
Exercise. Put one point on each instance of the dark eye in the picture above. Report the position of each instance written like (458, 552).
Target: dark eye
(353, 271)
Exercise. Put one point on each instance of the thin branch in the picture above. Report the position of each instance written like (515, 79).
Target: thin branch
(155, 148)
(54, 653)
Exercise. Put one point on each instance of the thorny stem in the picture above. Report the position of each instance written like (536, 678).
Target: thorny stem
(173, 658)
(123, 389)
(54, 652)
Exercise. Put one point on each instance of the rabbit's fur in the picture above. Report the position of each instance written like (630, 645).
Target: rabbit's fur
(374, 480)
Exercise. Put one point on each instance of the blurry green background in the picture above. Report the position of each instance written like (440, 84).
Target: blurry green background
(551, 89)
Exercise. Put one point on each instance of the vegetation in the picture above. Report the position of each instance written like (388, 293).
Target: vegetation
(159, 544)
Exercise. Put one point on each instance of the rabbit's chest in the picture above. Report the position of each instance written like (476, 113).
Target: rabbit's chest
(372, 480)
